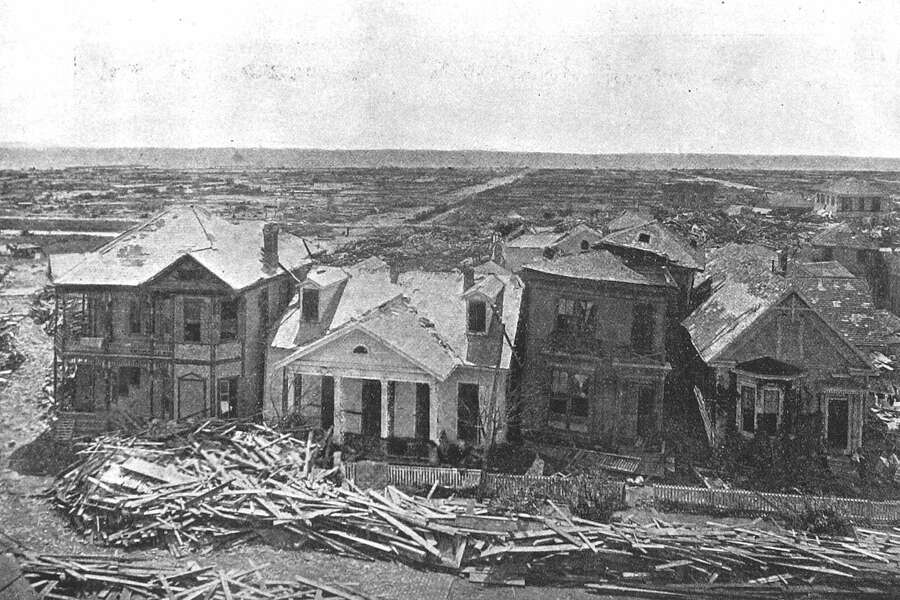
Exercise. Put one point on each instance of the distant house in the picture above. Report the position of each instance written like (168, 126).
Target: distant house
(594, 347)
(531, 245)
(861, 254)
(24, 250)
(405, 361)
(170, 319)
(772, 349)
(852, 197)
(789, 200)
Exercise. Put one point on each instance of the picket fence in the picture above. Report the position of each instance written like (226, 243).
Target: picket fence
(684, 498)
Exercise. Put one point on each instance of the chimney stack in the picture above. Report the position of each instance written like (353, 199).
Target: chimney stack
(270, 245)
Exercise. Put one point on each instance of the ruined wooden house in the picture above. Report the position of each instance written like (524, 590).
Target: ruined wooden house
(773, 346)
(594, 349)
(527, 246)
(398, 361)
(170, 319)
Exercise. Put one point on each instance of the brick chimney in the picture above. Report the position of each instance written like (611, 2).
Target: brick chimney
(270, 246)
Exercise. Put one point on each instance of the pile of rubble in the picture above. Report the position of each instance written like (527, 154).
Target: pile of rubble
(228, 483)
(70, 576)
(10, 356)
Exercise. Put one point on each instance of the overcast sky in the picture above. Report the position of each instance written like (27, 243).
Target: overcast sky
(774, 77)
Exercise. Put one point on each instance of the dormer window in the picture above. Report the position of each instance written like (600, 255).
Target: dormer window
(585, 245)
(644, 238)
(310, 305)
(477, 316)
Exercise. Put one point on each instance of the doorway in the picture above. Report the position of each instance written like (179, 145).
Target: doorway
(371, 407)
(838, 423)
(468, 415)
(191, 396)
(423, 411)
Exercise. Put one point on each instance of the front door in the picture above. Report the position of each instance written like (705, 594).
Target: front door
(371, 407)
(838, 423)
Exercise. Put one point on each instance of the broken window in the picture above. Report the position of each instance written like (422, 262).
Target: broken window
(193, 320)
(310, 308)
(135, 316)
(767, 419)
(228, 320)
(576, 316)
(748, 409)
(477, 316)
(642, 328)
(298, 391)
(128, 377)
(569, 403)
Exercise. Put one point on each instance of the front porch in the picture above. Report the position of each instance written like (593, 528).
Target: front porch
(362, 407)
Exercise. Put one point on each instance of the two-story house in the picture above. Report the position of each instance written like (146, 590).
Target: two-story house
(171, 318)
(404, 359)
(594, 349)
(852, 197)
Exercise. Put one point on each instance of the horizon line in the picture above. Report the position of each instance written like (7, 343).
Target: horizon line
(39, 147)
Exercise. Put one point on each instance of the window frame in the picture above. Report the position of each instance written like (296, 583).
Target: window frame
(473, 316)
(643, 329)
(576, 315)
(233, 330)
(563, 386)
(135, 316)
(741, 410)
(192, 322)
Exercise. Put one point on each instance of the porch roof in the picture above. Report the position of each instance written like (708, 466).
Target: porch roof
(767, 365)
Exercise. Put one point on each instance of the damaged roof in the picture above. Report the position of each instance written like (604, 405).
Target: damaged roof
(744, 287)
(827, 268)
(629, 219)
(231, 252)
(422, 315)
(598, 265)
(548, 239)
(655, 239)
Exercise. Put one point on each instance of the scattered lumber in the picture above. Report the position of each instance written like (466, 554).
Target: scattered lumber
(226, 483)
(63, 577)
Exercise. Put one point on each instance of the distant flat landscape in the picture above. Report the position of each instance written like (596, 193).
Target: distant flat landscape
(14, 156)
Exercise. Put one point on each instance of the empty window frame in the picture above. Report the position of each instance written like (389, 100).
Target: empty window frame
(310, 305)
(128, 377)
(569, 393)
(643, 317)
(468, 413)
(576, 316)
(193, 320)
(135, 316)
(228, 320)
(477, 316)
(768, 411)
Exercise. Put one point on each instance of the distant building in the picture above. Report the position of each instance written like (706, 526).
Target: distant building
(594, 347)
(852, 197)
(531, 245)
(170, 319)
(399, 362)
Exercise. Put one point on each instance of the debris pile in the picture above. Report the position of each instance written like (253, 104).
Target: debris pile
(228, 483)
(69, 576)
(10, 356)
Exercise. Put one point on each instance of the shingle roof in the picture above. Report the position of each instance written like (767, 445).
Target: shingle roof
(851, 186)
(656, 239)
(599, 265)
(844, 236)
(423, 315)
(231, 252)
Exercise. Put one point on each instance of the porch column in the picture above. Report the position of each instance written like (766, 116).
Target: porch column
(387, 410)
(340, 420)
